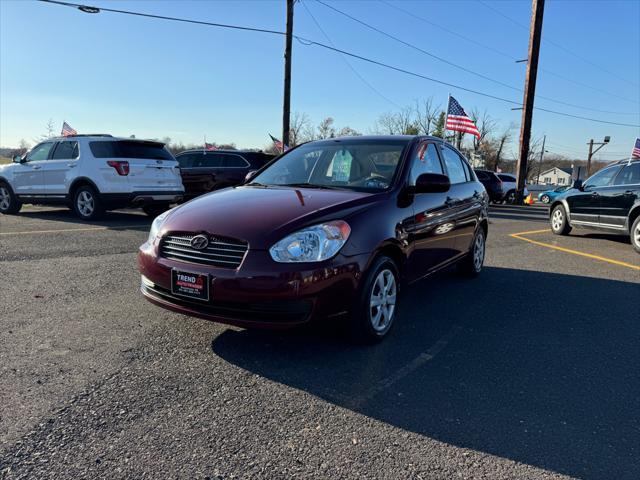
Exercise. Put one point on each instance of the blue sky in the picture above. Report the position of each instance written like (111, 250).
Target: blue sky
(127, 75)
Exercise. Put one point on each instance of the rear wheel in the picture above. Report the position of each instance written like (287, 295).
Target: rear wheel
(559, 223)
(9, 203)
(635, 234)
(375, 311)
(155, 209)
(87, 203)
(510, 198)
(472, 264)
(545, 199)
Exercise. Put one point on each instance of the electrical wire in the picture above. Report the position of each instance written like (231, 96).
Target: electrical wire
(306, 41)
(505, 54)
(473, 72)
(353, 69)
(557, 45)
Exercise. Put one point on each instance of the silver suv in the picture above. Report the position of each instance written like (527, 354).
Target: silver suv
(91, 174)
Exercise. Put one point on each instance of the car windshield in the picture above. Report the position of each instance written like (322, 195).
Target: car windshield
(364, 165)
(562, 189)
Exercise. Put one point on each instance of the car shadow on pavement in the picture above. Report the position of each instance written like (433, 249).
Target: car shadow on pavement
(624, 239)
(540, 368)
(120, 219)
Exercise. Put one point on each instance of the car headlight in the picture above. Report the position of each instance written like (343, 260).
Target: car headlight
(312, 244)
(155, 226)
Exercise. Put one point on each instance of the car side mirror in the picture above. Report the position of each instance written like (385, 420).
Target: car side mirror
(577, 184)
(431, 183)
(18, 159)
(250, 174)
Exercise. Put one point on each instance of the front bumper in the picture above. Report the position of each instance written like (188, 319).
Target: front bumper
(261, 292)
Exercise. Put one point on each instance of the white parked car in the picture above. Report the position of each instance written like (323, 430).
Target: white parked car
(509, 187)
(91, 174)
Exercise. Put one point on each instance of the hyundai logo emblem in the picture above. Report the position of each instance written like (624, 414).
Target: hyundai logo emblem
(200, 242)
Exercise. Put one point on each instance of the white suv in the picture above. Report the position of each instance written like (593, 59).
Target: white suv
(91, 174)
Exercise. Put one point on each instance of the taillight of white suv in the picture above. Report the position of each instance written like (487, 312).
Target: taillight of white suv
(121, 166)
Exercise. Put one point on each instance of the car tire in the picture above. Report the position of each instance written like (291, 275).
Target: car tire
(376, 308)
(558, 221)
(545, 199)
(471, 265)
(9, 202)
(155, 209)
(635, 234)
(87, 203)
(510, 197)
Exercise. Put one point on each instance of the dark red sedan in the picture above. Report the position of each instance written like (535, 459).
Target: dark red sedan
(332, 228)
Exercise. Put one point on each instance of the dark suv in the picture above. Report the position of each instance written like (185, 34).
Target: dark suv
(492, 184)
(203, 171)
(609, 201)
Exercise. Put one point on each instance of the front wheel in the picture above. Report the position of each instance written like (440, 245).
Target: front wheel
(9, 203)
(510, 198)
(376, 308)
(545, 199)
(472, 264)
(87, 203)
(635, 235)
(559, 223)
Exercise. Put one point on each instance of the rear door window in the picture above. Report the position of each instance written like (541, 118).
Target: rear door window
(629, 175)
(235, 161)
(187, 160)
(130, 149)
(210, 160)
(66, 151)
(507, 178)
(455, 166)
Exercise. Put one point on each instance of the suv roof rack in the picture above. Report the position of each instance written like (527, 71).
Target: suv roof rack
(87, 135)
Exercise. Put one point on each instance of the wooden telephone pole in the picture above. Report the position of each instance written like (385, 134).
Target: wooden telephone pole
(535, 35)
(286, 103)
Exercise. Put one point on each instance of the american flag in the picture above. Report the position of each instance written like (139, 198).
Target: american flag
(210, 147)
(278, 143)
(635, 153)
(67, 131)
(458, 120)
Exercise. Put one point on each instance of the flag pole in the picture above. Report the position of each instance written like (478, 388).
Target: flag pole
(446, 116)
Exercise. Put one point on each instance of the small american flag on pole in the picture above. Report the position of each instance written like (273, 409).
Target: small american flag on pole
(210, 147)
(67, 130)
(635, 153)
(458, 120)
(278, 143)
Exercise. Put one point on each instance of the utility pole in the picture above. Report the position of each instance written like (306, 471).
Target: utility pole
(592, 152)
(286, 103)
(535, 34)
(544, 139)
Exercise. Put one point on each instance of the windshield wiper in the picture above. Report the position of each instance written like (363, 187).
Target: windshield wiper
(311, 185)
(256, 184)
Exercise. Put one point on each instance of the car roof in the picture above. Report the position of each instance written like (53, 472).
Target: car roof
(103, 137)
(201, 150)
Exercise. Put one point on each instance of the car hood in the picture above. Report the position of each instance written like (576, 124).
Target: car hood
(262, 216)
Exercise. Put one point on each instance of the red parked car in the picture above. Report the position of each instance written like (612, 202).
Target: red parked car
(332, 228)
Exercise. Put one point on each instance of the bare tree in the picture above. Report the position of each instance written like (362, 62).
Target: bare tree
(426, 115)
(49, 131)
(300, 124)
(485, 125)
(23, 147)
(398, 123)
(326, 129)
(348, 132)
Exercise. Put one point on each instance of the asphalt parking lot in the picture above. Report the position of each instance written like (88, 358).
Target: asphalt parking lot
(530, 371)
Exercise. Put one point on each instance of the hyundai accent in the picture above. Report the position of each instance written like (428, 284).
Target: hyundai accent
(333, 228)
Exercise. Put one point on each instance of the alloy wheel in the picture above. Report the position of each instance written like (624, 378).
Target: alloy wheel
(478, 252)
(557, 219)
(5, 199)
(636, 235)
(382, 302)
(85, 203)
(545, 199)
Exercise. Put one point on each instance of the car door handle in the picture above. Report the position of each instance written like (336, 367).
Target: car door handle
(36, 167)
(449, 202)
(595, 194)
(71, 165)
(629, 192)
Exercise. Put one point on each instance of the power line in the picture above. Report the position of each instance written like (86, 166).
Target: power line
(353, 69)
(557, 45)
(505, 54)
(308, 42)
(468, 70)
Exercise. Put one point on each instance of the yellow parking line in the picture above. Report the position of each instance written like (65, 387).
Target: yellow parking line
(62, 230)
(568, 250)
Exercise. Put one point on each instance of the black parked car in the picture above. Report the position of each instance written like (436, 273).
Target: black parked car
(492, 184)
(203, 171)
(609, 201)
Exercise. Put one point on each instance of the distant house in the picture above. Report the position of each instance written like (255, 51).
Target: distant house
(556, 176)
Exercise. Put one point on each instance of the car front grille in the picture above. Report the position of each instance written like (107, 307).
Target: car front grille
(221, 252)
